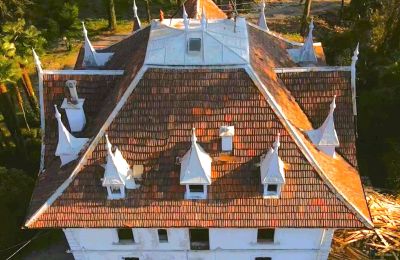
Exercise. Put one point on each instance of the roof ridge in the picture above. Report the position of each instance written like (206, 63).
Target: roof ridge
(300, 142)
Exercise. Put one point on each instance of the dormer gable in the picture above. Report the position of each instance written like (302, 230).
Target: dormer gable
(305, 55)
(325, 137)
(68, 146)
(272, 171)
(195, 170)
(262, 22)
(91, 57)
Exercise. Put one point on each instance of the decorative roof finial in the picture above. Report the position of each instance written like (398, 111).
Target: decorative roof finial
(161, 15)
(36, 59)
(355, 54)
(108, 145)
(136, 21)
(307, 53)
(277, 142)
(203, 19)
(325, 137)
(68, 147)
(193, 137)
(354, 60)
(185, 17)
(262, 22)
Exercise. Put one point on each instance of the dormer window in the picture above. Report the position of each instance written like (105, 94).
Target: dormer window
(117, 174)
(272, 172)
(194, 45)
(226, 133)
(195, 171)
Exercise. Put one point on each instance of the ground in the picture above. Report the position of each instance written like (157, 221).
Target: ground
(283, 16)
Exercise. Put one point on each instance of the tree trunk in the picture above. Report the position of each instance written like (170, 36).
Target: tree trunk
(341, 12)
(7, 108)
(306, 15)
(27, 83)
(148, 10)
(112, 20)
(21, 105)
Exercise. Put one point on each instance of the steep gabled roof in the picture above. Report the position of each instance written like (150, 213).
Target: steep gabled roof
(149, 117)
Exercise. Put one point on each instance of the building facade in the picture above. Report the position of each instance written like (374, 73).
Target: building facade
(201, 137)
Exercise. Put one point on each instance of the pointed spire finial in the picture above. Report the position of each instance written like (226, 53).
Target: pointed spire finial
(262, 22)
(277, 142)
(84, 29)
(311, 26)
(193, 138)
(161, 15)
(185, 17)
(108, 145)
(332, 106)
(356, 52)
(37, 60)
(58, 115)
(134, 8)
(203, 19)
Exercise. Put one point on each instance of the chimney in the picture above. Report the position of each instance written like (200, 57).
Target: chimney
(73, 106)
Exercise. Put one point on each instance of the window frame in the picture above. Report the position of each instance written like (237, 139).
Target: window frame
(272, 194)
(196, 195)
(125, 241)
(265, 240)
(162, 238)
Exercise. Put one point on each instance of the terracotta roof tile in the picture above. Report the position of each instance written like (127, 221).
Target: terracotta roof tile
(154, 137)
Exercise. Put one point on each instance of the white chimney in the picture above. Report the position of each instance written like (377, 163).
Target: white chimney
(74, 108)
(226, 133)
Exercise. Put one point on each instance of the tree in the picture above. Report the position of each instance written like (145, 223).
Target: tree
(11, 9)
(112, 20)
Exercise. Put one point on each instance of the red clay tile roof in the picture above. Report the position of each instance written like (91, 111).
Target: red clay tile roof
(153, 128)
(314, 92)
(194, 9)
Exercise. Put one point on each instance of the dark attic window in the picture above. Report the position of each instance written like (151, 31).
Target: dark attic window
(196, 188)
(272, 188)
(162, 236)
(263, 258)
(125, 235)
(199, 239)
(265, 235)
(130, 258)
(194, 44)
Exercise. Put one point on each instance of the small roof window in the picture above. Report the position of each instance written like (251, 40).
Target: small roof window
(194, 44)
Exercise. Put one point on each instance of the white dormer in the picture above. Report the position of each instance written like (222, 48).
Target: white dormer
(136, 21)
(73, 106)
(195, 170)
(68, 147)
(226, 133)
(325, 137)
(272, 172)
(91, 57)
(117, 174)
(262, 22)
(306, 54)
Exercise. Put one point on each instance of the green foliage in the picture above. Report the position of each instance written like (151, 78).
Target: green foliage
(11, 9)
(15, 190)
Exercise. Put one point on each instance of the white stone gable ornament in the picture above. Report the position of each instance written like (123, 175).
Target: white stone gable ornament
(195, 165)
(307, 53)
(91, 57)
(68, 146)
(136, 21)
(262, 22)
(325, 137)
(272, 167)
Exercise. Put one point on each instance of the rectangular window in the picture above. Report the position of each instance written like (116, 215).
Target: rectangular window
(162, 236)
(263, 258)
(130, 258)
(265, 235)
(272, 188)
(125, 235)
(199, 239)
(115, 190)
(194, 44)
(196, 188)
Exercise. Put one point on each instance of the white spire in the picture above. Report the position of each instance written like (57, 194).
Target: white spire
(307, 53)
(185, 17)
(262, 22)
(325, 137)
(354, 60)
(117, 170)
(68, 146)
(38, 64)
(195, 164)
(91, 57)
(203, 19)
(136, 21)
(272, 167)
